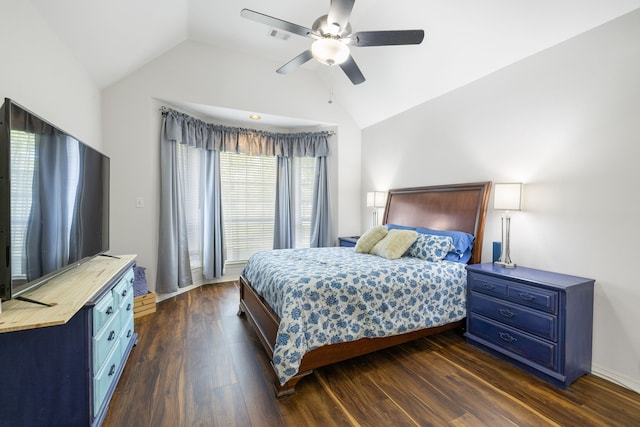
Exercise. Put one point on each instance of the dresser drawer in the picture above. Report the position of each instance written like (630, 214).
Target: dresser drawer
(542, 324)
(542, 299)
(123, 288)
(487, 284)
(105, 376)
(126, 333)
(538, 351)
(103, 311)
(105, 341)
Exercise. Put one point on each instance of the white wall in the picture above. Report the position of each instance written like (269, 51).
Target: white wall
(566, 122)
(200, 74)
(39, 73)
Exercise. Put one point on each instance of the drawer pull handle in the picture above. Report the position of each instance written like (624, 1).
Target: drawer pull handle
(506, 313)
(487, 286)
(112, 370)
(124, 293)
(526, 296)
(507, 337)
(109, 310)
(129, 333)
(129, 307)
(112, 335)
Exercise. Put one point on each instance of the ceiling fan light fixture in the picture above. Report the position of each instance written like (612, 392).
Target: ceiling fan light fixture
(330, 51)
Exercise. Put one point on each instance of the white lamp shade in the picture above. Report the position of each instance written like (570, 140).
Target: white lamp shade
(330, 51)
(376, 199)
(507, 196)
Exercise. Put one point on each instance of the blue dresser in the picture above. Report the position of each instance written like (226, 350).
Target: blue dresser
(61, 364)
(537, 320)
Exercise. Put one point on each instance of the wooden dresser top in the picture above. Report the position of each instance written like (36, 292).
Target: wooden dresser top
(68, 293)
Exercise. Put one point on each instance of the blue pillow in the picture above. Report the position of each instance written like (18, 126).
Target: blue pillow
(399, 227)
(462, 241)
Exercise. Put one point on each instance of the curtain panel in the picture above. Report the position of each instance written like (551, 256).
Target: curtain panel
(180, 128)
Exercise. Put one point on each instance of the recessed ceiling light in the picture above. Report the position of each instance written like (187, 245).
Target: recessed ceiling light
(255, 117)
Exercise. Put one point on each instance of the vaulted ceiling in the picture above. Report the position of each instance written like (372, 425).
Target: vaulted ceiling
(464, 39)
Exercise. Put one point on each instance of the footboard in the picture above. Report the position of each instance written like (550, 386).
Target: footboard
(265, 322)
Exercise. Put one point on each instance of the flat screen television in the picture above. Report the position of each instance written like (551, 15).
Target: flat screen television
(54, 201)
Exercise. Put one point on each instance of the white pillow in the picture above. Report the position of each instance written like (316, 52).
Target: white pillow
(368, 240)
(395, 243)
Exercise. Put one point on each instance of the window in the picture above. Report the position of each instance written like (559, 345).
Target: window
(248, 202)
(190, 159)
(304, 170)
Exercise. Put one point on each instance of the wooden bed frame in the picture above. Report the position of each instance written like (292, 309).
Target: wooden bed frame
(459, 207)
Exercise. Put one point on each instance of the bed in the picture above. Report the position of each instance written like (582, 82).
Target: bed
(278, 324)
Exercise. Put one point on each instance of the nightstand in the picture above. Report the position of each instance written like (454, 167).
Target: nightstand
(537, 320)
(348, 241)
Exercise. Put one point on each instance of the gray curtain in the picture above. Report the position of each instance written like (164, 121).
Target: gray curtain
(174, 267)
(283, 229)
(178, 128)
(207, 136)
(320, 236)
(211, 220)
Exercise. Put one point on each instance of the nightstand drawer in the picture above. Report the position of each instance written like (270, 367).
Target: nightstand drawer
(487, 284)
(530, 348)
(541, 299)
(538, 323)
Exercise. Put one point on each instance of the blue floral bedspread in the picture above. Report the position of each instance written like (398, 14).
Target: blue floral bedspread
(330, 295)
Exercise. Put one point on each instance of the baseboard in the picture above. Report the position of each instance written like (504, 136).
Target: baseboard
(616, 378)
(232, 272)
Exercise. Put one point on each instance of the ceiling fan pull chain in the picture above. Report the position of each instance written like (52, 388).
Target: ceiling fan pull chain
(330, 85)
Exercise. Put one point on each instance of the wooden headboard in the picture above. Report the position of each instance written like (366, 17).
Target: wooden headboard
(460, 207)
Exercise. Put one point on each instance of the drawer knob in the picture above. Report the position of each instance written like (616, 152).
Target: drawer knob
(506, 313)
(526, 296)
(112, 335)
(507, 337)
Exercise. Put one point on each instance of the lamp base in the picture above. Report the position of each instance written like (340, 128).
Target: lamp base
(505, 264)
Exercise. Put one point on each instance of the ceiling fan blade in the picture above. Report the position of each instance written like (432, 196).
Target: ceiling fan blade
(295, 62)
(352, 71)
(275, 22)
(387, 38)
(340, 12)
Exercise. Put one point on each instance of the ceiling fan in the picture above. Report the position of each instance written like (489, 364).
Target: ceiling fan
(333, 36)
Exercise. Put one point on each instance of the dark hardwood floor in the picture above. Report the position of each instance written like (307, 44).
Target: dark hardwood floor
(198, 364)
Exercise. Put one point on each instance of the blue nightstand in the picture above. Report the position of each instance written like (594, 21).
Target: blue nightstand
(537, 320)
(348, 241)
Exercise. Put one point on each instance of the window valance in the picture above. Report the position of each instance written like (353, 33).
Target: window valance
(184, 129)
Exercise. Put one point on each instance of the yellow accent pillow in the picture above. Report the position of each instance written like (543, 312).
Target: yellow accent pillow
(395, 243)
(368, 240)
